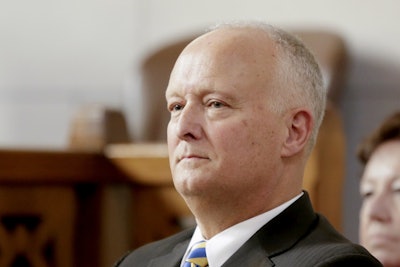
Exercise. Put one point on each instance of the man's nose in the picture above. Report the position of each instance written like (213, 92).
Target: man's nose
(189, 123)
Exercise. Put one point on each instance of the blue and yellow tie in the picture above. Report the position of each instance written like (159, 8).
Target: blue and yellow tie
(197, 256)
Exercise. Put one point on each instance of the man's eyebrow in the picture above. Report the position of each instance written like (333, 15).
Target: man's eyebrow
(170, 94)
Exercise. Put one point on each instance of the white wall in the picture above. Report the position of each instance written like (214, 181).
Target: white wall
(57, 55)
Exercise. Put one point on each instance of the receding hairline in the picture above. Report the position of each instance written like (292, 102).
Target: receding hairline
(231, 31)
(251, 46)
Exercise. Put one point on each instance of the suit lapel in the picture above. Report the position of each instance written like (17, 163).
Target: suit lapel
(282, 232)
(250, 254)
(277, 236)
(172, 259)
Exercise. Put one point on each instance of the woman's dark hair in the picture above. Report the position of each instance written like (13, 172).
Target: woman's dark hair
(388, 130)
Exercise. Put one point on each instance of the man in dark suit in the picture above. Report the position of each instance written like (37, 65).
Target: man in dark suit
(246, 102)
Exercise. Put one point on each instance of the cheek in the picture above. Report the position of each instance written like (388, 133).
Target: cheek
(172, 142)
(365, 209)
(238, 136)
(363, 216)
(363, 222)
(396, 212)
(172, 135)
(247, 141)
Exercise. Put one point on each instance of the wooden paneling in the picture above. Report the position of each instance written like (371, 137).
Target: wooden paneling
(51, 207)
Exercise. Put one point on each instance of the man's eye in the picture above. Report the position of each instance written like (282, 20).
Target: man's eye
(216, 104)
(396, 186)
(176, 107)
(396, 190)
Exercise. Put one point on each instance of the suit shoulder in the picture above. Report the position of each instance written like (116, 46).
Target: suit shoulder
(349, 259)
(143, 255)
(327, 247)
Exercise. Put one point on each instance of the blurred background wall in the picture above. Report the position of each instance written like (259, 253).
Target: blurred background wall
(57, 55)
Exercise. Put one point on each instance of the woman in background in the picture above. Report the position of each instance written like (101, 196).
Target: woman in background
(380, 191)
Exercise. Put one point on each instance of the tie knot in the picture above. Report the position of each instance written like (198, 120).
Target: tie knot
(197, 256)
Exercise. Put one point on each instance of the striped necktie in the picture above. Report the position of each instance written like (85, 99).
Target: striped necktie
(197, 256)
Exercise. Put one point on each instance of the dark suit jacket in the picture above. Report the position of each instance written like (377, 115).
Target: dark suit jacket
(296, 237)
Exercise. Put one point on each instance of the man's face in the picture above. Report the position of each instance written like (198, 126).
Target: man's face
(223, 139)
(380, 212)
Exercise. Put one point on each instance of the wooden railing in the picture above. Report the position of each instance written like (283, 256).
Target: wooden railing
(51, 205)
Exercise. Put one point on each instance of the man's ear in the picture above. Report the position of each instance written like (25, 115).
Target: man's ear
(300, 124)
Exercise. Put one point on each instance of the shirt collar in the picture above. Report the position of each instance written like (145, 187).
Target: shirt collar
(223, 245)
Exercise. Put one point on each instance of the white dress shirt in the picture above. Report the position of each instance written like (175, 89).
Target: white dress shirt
(223, 245)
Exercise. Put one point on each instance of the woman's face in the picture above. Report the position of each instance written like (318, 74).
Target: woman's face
(380, 211)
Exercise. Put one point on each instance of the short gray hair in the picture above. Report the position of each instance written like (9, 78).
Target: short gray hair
(299, 80)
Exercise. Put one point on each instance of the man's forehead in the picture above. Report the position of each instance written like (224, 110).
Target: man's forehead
(232, 38)
(228, 47)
